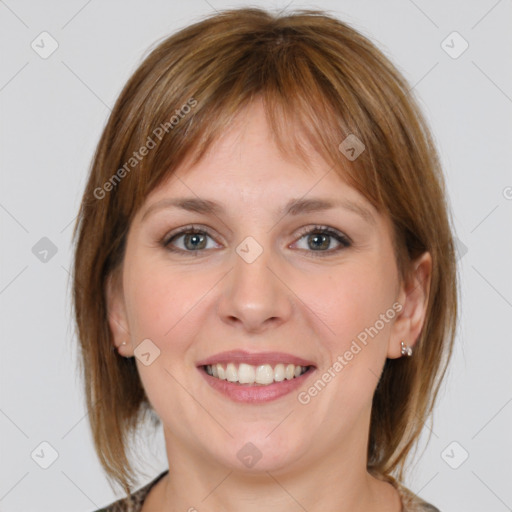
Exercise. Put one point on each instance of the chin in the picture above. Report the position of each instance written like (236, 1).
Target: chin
(257, 452)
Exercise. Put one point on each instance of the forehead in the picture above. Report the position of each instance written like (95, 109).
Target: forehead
(245, 161)
(245, 175)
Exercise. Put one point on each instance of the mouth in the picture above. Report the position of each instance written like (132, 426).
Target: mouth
(255, 377)
(261, 375)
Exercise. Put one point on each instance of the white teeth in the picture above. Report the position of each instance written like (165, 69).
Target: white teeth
(263, 374)
(231, 373)
(279, 373)
(246, 374)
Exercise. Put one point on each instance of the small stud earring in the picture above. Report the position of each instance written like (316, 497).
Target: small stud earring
(119, 346)
(406, 351)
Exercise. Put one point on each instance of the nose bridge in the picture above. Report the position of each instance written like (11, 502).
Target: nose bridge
(254, 295)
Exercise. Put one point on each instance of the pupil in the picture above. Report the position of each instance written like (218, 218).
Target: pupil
(194, 238)
(317, 237)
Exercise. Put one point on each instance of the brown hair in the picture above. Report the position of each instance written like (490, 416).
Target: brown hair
(324, 79)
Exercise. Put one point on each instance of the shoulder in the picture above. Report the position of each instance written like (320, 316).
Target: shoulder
(411, 502)
(133, 502)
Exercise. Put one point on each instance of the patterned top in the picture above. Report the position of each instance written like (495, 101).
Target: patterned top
(134, 502)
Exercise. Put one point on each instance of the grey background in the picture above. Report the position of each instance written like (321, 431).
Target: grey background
(52, 114)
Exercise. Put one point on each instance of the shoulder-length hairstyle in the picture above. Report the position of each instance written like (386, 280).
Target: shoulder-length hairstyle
(320, 81)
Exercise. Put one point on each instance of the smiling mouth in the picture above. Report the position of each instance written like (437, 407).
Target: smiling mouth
(260, 375)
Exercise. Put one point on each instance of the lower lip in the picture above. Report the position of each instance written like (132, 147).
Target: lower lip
(255, 394)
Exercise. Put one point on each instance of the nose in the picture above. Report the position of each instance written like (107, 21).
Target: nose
(255, 295)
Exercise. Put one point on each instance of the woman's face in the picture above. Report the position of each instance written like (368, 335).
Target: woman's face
(252, 280)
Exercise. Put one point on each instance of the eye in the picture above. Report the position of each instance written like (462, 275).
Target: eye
(195, 239)
(319, 239)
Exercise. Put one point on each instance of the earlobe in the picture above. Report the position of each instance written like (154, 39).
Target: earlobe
(414, 298)
(117, 318)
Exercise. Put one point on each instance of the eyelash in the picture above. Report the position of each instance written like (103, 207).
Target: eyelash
(317, 229)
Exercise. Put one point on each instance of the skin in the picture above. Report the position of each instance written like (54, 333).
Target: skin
(192, 306)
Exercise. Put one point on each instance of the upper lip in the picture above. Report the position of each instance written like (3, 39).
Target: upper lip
(254, 358)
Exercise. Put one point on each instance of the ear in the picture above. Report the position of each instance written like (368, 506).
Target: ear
(117, 317)
(413, 297)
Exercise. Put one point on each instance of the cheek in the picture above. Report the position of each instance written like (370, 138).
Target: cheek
(151, 303)
(354, 301)
(350, 301)
(162, 305)
(162, 300)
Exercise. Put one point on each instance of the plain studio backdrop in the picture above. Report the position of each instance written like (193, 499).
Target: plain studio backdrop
(63, 66)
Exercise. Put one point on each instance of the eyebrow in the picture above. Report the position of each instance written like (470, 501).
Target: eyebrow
(294, 207)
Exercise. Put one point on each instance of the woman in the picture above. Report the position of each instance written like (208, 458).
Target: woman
(264, 261)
